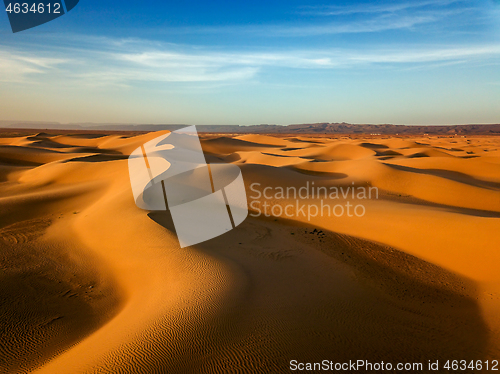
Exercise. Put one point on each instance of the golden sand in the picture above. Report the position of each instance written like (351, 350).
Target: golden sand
(90, 283)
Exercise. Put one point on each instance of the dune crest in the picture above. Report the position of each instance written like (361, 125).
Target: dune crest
(91, 283)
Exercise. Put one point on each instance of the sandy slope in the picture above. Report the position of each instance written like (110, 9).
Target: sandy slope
(90, 283)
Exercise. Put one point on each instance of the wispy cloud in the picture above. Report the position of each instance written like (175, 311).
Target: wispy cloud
(373, 18)
(17, 66)
(363, 26)
(369, 8)
(366, 19)
(125, 62)
(375, 23)
(461, 54)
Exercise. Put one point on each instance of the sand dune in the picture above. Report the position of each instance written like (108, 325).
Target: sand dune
(90, 283)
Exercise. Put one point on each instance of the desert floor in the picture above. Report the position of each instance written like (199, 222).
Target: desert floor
(89, 283)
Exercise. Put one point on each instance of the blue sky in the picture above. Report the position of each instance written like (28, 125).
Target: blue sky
(253, 62)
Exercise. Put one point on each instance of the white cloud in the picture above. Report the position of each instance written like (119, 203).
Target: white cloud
(125, 62)
(366, 26)
(338, 10)
(300, 59)
(426, 55)
(370, 18)
(376, 23)
(17, 66)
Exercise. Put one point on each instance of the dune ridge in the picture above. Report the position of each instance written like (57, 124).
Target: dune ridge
(102, 286)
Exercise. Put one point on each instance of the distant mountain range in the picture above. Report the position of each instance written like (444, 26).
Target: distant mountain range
(316, 128)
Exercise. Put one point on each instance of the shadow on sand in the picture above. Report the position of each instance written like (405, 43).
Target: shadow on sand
(311, 295)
